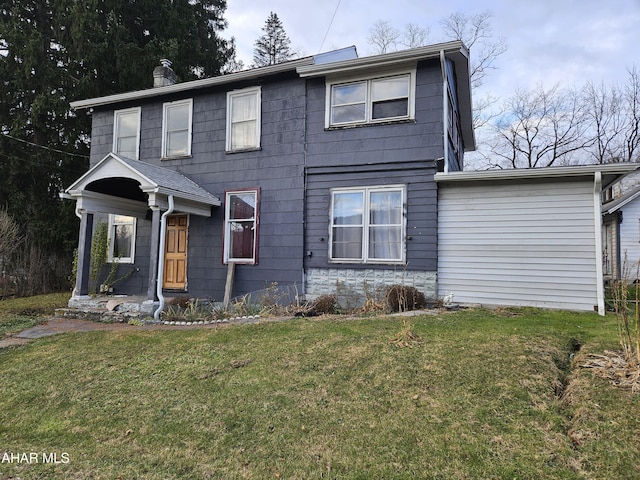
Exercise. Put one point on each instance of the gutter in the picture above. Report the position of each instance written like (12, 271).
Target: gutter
(445, 111)
(163, 226)
(597, 218)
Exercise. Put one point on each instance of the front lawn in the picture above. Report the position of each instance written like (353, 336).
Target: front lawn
(483, 394)
(18, 314)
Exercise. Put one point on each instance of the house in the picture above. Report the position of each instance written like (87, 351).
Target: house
(621, 230)
(316, 174)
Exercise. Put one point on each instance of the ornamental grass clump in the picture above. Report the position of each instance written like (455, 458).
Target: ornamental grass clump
(622, 367)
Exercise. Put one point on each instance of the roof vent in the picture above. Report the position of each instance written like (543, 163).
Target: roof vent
(164, 75)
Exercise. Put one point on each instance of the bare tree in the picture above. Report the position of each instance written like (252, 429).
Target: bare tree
(541, 128)
(383, 37)
(631, 100)
(604, 107)
(414, 36)
(476, 33)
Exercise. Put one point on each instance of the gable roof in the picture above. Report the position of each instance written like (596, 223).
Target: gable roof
(618, 203)
(130, 187)
(152, 178)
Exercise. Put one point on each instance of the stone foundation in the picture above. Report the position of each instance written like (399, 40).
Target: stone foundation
(354, 287)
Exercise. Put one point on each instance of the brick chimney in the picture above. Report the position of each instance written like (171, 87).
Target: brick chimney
(163, 74)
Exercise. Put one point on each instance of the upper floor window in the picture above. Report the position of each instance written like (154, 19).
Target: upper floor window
(371, 100)
(122, 238)
(126, 132)
(243, 119)
(367, 224)
(176, 128)
(241, 226)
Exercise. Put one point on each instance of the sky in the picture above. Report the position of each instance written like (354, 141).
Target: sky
(568, 42)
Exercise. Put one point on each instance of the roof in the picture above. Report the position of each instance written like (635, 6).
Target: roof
(192, 85)
(610, 172)
(618, 203)
(152, 178)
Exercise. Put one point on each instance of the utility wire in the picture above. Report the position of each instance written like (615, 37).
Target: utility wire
(46, 148)
(329, 27)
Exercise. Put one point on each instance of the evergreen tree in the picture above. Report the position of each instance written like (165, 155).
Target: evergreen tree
(55, 51)
(274, 46)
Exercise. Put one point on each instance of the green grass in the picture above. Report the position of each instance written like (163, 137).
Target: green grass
(18, 314)
(478, 398)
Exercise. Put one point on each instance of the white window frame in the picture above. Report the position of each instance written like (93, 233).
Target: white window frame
(116, 115)
(165, 131)
(368, 81)
(111, 236)
(227, 230)
(366, 191)
(257, 91)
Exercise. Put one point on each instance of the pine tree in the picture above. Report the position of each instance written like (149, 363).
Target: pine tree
(55, 51)
(274, 46)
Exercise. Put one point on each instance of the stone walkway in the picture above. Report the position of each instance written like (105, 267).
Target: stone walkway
(55, 326)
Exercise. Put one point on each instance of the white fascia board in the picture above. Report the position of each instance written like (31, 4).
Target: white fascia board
(192, 85)
(535, 173)
(617, 204)
(106, 168)
(100, 202)
(183, 205)
(211, 200)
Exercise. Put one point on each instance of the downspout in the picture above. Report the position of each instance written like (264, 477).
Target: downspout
(445, 111)
(597, 217)
(163, 226)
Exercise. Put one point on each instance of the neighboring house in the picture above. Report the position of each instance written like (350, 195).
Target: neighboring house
(621, 235)
(316, 173)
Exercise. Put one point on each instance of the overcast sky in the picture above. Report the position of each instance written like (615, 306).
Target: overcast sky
(549, 41)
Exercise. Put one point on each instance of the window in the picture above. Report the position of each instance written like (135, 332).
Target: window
(126, 132)
(176, 128)
(241, 226)
(367, 224)
(243, 119)
(371, 100)
(122, 238)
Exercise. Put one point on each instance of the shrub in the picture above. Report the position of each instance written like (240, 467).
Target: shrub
(401, 298)
(325, 304)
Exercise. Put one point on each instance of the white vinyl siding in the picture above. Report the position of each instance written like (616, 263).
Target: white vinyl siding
(518, 244)
(630, 237)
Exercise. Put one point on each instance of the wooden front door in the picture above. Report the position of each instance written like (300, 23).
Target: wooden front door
(175, 253)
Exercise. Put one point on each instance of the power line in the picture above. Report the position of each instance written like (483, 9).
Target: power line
(45, 147)
(329, 27)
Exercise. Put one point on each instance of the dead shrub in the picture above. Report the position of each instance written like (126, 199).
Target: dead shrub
(325, 304)
(401, 298)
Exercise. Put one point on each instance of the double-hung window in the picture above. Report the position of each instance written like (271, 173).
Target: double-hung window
(122, 238)
(126, 132)
(243, 119)
(176, 128)
(371, 100)
(241, 226)
(367, 224)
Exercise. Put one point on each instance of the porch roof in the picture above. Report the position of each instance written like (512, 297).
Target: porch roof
(158, 183)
